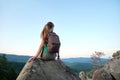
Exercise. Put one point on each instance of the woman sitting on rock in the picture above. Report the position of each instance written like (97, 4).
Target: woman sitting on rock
(50, 44)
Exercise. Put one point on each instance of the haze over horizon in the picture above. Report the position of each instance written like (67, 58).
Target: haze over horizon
(84, 26)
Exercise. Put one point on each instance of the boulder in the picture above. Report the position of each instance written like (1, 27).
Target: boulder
(82, 75)
(101, 74)
(116, 54)
(111, 70)
(113, 67)
(46, 70)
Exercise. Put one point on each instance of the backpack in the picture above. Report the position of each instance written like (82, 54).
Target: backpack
(53, 42)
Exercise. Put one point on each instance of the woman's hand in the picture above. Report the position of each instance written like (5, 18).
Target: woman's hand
(38, 52)
(32, 58)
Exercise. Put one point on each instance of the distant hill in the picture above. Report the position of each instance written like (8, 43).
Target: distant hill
(81, 60)
(77, 64)
(16, 58)
(21, 58)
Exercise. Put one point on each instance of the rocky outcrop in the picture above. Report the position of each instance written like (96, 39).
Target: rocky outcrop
(101, 74)
(111, 70)
(116, 54)
(46, 70)
(82, 75)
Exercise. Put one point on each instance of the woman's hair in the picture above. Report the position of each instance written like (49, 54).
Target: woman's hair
(46, 30)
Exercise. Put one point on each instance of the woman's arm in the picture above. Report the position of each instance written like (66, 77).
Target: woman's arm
(39, 49)
(38, 52)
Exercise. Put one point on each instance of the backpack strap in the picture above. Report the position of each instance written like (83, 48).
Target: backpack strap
(58, 56)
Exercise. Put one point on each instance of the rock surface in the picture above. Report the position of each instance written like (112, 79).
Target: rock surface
(46, 70)
(101, 74)
(111, 70)
(82, 75)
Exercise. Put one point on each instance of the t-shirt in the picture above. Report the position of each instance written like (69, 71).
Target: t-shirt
(45, 50)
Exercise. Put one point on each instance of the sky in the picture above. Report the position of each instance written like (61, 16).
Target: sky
(84, 26)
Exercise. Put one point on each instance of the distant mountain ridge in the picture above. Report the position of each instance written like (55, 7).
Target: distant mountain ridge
(16, 58)
(76, 64)
(21, 58)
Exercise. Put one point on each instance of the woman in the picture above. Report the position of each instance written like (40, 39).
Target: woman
(42, 51)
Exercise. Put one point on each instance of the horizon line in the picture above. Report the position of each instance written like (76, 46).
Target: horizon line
(61, 57)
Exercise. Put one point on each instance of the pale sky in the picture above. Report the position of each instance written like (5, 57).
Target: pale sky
(84, 26)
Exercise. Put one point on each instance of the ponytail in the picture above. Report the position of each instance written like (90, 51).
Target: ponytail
(46, 29)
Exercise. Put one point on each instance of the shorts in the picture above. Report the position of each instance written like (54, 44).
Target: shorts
(48, 56)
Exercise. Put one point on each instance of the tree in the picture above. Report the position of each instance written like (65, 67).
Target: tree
(7, 72)
(3, 67)
(96, 59)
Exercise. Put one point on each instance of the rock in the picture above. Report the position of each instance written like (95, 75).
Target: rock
(82, 75)
(111, 69)
(101, 74)
(116, 54)
(46, 70)
(90, 73)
